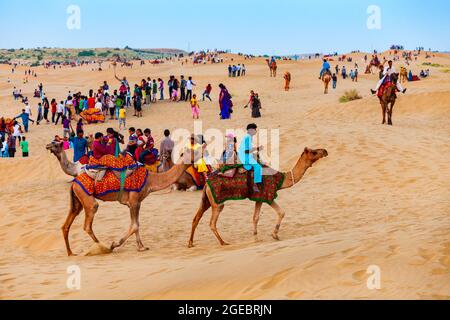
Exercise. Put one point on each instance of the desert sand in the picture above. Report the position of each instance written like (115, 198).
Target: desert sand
(380, 198)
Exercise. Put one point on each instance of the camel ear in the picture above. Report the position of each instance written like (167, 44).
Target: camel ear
(306, 150)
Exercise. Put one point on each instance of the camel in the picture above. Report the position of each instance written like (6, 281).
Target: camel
(374, 63)
(307, 159)
(403, 75)
(287, 80)
(80, 201)
(387, 100)
(184, 182)
(273, 68)
(326, 79)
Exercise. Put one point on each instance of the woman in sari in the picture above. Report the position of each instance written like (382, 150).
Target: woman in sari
(225, 102)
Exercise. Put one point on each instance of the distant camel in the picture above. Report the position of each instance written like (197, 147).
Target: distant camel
(326, 79)
(307, 159)
(273, 67)
(388, 98)
(403, 75)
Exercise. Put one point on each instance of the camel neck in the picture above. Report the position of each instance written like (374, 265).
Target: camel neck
(297, 173)
(161, 181)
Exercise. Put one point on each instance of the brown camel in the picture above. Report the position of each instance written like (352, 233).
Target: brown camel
(307, 159)
(184, 182)
(273, 68)
(326, 79)
(79, 200)
(287, 80)
(387, 100)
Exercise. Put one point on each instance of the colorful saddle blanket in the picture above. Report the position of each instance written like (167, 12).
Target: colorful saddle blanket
(240, 186)
(111, 182)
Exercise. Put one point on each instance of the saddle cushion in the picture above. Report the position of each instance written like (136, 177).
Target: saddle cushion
(110, 183)
(240, 186)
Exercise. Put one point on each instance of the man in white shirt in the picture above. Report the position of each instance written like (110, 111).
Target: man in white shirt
(99, 105)
(189, 86)
(388, 71)
(59, 111)
(28, 109)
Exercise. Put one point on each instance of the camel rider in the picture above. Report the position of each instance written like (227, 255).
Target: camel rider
(325, 68)
(149, 149)
(99, 149)
(387, 72)
(245, 154)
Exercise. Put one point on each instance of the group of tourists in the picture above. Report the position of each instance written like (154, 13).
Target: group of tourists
(11, 137)
(236, 70)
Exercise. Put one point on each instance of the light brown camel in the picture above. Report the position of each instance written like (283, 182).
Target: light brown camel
(403, 75)
(273, 68)
(326, 79)
(79, 200)
(184, 182)
(307, 159)
(387, 100)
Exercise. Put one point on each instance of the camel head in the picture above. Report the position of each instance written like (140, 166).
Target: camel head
(312, 155)
(394, 78)
(55, 147)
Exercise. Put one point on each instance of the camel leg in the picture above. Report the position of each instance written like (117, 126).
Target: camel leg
(204, 206)
(90, 212)
(383, 110)
(390, 113)
(75, 209)
(213, 224)
(134, 227)
(256, 215)
(281, 215)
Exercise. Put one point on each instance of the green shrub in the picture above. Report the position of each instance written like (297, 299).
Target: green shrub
(350, 96)
(86, 53)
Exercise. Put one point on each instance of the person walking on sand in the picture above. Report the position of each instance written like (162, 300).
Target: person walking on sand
(334, 78)
(161, 89)
(25, 119)
(195, 107)
(183, 83)
(207, 92)
(154, 90)
(225, 103)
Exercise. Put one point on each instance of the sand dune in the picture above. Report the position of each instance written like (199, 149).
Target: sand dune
(380, 198)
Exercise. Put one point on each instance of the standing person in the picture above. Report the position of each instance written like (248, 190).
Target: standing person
(165, 149)
(111, 106)
(11, 143)
(17, 131)
(148, 91)
(154, 90)
(183, 89)
(53, 109)
(170, 86)
(3, 148)
(39, 113)
(59, 111)
(46, 109)
(122, 118)
(356, 74)
(230, 71)
(207, 92)
(161, 89)
(24, 147)
(67, 126)
(189, 86)
(70, 108)
(243, 70)
(195, 107)
(79, 125)
(80, 146)
(246, 157)
(175, 85)
(225, 103)
(25, 119)
(138, 105)
(256, 107)
(334, 78)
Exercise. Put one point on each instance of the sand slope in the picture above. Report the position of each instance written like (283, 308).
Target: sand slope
(380, 198)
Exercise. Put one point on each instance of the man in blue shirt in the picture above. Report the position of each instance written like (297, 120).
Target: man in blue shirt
(80, 146)
(325, 68)
(245, 153)
(25, 118)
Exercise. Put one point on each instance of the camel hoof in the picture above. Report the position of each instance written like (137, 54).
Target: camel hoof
(71, 254)
(255, 233)
(276, 237)
(113, 246)
(225, 244)
(190, 245)
(143, 249)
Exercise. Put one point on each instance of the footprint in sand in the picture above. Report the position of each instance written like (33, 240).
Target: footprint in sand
(359, 275)
(276, 279)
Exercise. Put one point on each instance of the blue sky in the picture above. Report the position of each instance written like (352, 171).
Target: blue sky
(250, 26)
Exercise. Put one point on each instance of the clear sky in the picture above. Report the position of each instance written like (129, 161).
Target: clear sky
(249, 26)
